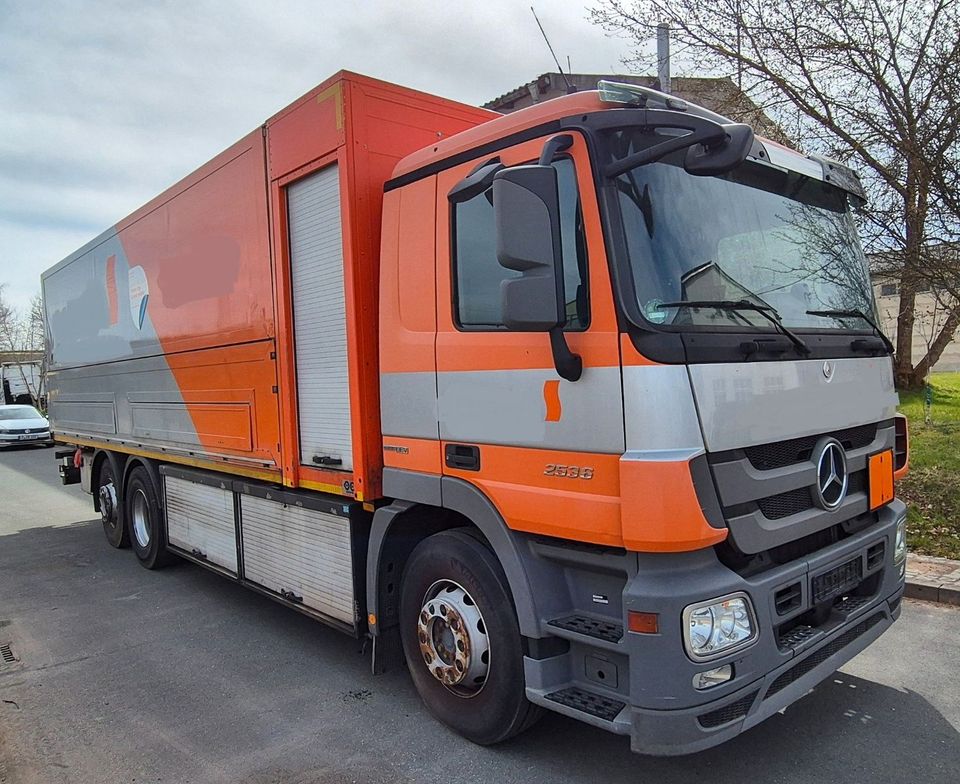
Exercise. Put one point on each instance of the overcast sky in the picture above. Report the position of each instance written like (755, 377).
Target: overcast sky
(103, 103)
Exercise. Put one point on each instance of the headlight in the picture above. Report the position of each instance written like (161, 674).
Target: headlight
(719, 626)
(900, 544)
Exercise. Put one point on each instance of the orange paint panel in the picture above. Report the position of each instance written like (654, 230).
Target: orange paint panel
(307, 129)
(660, 511)
(204, 249)
(632, 357)
(413, 454)
(228, 393)
(408, 311)
(551, 400)
(880, 478)
(535, 490)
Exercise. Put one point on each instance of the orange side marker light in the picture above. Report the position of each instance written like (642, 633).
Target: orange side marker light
(643, 622)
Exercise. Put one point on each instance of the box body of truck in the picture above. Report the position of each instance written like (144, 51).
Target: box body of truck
(231, 321)
(494, 391)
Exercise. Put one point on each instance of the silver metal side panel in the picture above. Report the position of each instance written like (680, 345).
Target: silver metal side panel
(303, 551)
(319, 315)
(200, 517)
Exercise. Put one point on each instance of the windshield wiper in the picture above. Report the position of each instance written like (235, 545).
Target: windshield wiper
(856, 313)
(769, 313)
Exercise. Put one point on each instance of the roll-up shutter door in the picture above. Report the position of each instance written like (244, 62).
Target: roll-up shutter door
(316, 258)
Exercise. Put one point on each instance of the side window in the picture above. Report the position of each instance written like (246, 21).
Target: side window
(477, 273)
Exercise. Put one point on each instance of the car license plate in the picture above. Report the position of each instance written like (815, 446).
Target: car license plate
(30, 437)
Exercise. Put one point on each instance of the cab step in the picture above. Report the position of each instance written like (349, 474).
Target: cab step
(587, 702)
(585, 626)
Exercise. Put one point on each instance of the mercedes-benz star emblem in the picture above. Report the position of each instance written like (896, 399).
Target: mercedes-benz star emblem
(832, 477)
(828, 370)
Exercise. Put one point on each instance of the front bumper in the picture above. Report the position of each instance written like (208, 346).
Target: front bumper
(667, 716)
(26, 438)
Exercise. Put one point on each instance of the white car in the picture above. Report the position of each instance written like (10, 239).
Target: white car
(23, 425)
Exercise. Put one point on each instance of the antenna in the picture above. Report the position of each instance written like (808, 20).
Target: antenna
(570, 87)
(663, 56)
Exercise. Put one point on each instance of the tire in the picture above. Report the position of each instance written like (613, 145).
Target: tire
(144, 517)
(111, 501)
(454, 576)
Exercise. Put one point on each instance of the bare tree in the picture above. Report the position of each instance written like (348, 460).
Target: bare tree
(22, 337)
(9, 326)
(874, 83)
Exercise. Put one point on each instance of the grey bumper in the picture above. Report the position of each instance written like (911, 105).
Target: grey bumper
(667, 716)
(675, 732)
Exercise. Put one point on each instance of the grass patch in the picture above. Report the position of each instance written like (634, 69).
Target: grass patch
(932, 487)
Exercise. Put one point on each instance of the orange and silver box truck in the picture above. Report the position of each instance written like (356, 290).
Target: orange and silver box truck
(581, 408)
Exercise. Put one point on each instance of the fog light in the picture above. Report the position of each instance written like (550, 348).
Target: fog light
(900, 544)
(719, 626)
(714, 677)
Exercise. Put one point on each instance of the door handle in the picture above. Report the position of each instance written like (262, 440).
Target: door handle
(462, 457)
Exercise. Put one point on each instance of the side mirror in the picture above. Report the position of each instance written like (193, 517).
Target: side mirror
(526, 205)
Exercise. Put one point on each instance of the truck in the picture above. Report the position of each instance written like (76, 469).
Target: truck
(21, 383)
(580, 409)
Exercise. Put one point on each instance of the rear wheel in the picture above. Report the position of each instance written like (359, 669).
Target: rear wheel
(108, 498)
(144, 518)
(461, 638)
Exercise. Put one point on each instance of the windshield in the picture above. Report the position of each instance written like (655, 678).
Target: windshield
(19, 412)
(760, 234)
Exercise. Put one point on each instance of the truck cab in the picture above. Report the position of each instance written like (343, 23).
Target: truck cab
(636, 346)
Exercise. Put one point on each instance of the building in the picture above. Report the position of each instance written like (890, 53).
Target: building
(931, 311)
(720, 95)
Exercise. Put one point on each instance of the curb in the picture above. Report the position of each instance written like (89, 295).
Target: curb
(933, 579)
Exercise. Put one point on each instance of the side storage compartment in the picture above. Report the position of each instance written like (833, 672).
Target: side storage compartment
(201, 520)
(300, 548)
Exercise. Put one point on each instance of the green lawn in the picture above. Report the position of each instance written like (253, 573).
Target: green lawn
(932, 487)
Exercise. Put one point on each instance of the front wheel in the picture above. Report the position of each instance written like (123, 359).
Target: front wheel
(461, 638)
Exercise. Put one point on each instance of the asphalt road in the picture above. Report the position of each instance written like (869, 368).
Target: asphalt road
(178, 675)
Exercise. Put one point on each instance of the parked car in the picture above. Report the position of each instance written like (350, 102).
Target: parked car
(21, 424)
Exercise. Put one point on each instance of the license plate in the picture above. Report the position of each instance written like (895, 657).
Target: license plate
(839, 579)
(31, 437)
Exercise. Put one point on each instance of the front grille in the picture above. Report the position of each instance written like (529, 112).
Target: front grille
(819, 656)
(775, 507)
(783, 453)
(726, 714)
(785, 504)
(26, 431)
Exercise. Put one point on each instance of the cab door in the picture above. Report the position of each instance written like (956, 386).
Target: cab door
(544, 450)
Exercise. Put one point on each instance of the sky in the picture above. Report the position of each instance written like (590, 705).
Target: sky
(104, 104)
